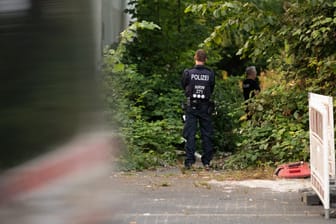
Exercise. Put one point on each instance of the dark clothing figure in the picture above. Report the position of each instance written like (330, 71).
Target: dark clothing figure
(250, 86)
(198, 84)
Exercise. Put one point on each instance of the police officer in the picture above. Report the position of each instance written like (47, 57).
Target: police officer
(198, 84)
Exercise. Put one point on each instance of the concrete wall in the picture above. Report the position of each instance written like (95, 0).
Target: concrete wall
(109, 21)
(114, 20)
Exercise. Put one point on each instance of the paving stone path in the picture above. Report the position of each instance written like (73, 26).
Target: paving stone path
(163, 196)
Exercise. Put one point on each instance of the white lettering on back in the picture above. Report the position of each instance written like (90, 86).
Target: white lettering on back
(200, 77)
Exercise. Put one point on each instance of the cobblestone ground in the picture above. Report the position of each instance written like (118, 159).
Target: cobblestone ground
(155, 198)
(166, 196)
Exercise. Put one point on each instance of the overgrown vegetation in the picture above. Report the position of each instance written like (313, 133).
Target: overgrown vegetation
(277, 132)
(293, 39)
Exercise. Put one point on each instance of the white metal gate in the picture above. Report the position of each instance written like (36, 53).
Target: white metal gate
(322, 152)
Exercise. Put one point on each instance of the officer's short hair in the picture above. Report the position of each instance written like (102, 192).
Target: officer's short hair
(251, 70)
(200, 55)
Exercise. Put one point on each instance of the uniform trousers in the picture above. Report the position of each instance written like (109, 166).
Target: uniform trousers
(198, 114)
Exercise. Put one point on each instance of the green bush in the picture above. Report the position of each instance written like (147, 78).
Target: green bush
(228, 98)
(277, 132)
(145, 100)
(150, 144)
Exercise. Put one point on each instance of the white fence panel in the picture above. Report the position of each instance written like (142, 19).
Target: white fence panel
(322, 152)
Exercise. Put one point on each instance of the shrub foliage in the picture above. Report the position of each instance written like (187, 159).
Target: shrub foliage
(293, 39)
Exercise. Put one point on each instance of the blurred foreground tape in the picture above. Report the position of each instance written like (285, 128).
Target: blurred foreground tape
(69, 185)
